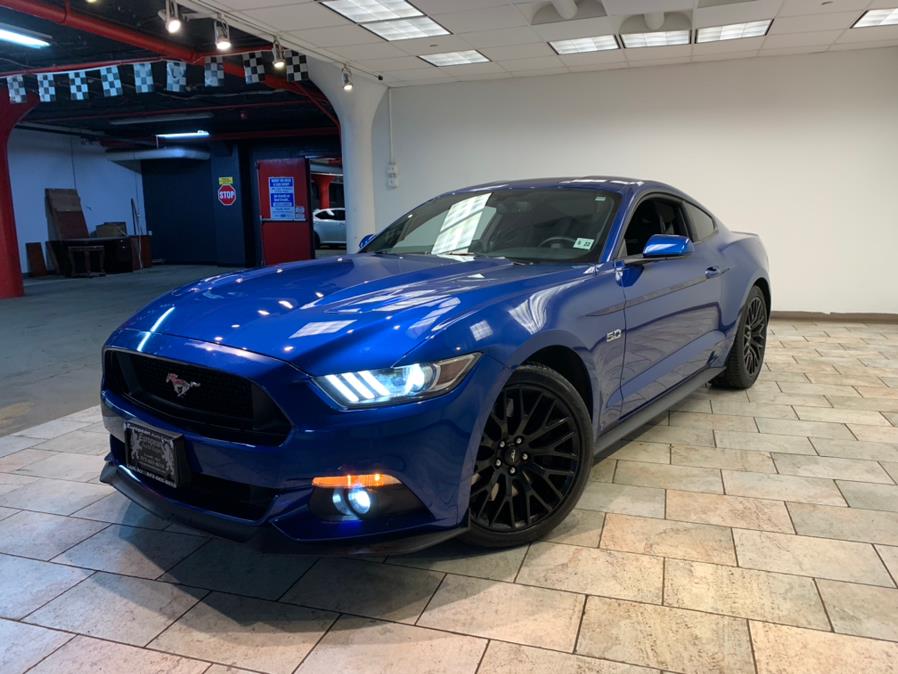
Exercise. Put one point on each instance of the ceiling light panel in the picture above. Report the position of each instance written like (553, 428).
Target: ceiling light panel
(455, 58)
(406, 29)
(23, 38)
(582, 45)
(733, 31)
(363, 11)
(661, 38)
(878, 17)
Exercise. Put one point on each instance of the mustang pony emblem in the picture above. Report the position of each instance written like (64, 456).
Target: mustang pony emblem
(181, 386)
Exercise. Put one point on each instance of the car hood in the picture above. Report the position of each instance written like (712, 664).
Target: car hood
(338, 314)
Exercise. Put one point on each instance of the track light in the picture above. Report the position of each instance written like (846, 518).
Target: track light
(172, 16)
(222, 36)
(277, 51)
(347, 79)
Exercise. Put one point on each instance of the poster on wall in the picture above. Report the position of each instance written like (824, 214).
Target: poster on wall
(282, 199)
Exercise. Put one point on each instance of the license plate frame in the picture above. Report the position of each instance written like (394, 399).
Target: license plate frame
(155, 453)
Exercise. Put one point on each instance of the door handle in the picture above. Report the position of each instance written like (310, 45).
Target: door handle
(711, 272)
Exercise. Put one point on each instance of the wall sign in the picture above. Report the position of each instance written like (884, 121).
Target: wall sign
(227, 195)
(282, 199)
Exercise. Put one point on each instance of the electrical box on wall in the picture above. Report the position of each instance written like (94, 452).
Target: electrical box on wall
(392, 175)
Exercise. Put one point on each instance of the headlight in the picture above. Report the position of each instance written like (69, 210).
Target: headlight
(396, 384)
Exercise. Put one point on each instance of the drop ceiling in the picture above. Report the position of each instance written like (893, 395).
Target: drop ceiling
(504, 31)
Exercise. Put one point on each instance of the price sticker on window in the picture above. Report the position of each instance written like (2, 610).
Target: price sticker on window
(584, 244)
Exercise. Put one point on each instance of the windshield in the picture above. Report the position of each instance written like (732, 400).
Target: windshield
(533, 225)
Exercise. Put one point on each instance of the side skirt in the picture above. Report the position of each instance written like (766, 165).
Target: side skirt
(607, 442)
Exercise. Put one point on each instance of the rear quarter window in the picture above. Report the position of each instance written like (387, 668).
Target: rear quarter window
(702, 224)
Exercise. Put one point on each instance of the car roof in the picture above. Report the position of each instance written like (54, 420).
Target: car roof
(619, 184)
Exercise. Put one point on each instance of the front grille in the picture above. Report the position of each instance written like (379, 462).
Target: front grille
(215, 404)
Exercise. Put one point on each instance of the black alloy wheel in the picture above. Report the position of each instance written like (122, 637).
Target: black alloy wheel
(533, 460)
(754, 335)
(746, 357)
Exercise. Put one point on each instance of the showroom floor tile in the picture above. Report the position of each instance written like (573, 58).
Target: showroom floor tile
(742, 532)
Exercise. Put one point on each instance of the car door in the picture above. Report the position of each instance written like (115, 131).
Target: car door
(671, 306)
(324, 224)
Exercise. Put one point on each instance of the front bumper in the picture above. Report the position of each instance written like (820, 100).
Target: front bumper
(429, 446)
(266, 537)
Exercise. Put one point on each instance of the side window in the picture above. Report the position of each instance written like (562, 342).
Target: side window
(652, 216)
(702, 223)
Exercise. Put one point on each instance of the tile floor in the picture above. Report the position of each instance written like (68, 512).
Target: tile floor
(744, 532)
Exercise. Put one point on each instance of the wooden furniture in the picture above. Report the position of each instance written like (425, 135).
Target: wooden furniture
(117, 255)
(87, 254)
(37, 266)
(65, 218)
(141, 252)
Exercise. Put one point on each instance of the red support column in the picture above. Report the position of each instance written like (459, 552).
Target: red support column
(323, 181)
(10, 269)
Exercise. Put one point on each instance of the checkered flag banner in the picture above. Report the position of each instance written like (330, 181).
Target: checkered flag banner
(176, 76)
(143, 78)
(297, 67)
(15, 85)
(213, 71)
(111, 80)
(253, 67)
(46, 87)
(78, 85)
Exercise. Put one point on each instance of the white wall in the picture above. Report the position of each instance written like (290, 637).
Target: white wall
(800, 149)
(41, 160)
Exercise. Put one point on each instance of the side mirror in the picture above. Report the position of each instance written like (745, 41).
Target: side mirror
(366, 240)
(667, 245)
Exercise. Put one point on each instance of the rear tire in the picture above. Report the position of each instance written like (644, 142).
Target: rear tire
(317, 241)
(533, 462)
(746, 357)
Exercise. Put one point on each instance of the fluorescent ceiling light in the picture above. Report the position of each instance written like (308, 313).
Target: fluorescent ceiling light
(660, 38)
(878, 17)
(582, 45)
(22, 38)
(156, 119)
(199, 133)
(406, 29)
(455, 58)
(733, 31)
(362, 11)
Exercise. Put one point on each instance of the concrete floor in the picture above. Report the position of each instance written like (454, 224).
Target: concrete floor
(50, 339)
(744, 532)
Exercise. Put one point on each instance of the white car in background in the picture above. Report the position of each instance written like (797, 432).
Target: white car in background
(330, 227)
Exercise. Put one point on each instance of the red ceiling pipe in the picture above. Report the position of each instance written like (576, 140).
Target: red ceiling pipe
(323, 181)
(66, 17)
(10, 269)
(171, 111)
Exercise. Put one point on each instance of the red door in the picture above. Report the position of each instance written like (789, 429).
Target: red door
(285, 200)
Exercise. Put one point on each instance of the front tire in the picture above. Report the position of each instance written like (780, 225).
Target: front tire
(746, 357)
(533, 462)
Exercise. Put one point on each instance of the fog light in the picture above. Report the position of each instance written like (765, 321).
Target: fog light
(360, 500)
(361, 497)
(340, 503)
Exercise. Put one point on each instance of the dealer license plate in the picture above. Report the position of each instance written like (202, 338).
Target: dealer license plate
(154, 453)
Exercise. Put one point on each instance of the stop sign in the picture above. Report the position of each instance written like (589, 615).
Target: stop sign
(227, 195)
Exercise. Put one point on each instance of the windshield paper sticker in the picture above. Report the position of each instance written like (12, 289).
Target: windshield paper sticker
(584, 244)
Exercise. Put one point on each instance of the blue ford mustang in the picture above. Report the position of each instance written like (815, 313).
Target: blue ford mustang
(458, 376)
